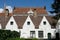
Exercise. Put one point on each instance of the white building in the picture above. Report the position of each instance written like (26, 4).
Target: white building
(30, 22)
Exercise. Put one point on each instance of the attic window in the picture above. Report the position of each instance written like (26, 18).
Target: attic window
(28, 23)
(11, 23)
(44, 22)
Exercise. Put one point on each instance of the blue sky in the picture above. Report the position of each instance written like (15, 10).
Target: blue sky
(27, 3)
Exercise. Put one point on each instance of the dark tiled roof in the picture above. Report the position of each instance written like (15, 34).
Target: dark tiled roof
(25, 10)
(52, 21)
(20, 20)
(36, 20)
(4, 20)
(4, 14)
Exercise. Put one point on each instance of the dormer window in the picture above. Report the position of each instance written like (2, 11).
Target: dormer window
(11, 23)
(44, 22)
(30, 12)
(28, 23)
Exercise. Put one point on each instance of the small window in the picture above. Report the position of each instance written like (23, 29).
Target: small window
(32, 34)
(28, 23)
(44, 22)
(40, 34)
(11, 23)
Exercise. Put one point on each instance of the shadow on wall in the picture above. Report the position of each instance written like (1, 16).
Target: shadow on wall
(57, 37)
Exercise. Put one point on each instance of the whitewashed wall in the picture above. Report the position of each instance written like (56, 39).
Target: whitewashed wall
(45, 28)
(53, 31)
(13, 27)
(58, 24)
(25, 32)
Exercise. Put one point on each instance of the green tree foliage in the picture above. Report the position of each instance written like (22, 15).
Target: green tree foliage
(22, 39)
(4, 34)
(13, 38)
(56, 6)
(56, 9)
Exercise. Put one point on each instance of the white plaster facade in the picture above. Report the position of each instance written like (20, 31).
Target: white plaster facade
(13, 27)
(25, 32)
(45, 28)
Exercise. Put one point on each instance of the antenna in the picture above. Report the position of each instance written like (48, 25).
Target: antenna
(4, 4)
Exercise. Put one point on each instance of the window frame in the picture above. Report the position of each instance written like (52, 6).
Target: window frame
(32, 34)
(40, 35)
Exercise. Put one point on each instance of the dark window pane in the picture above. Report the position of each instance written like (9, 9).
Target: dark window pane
(11, 23)
(44, 22)
(32, 34)
(28, 23)
(40, 33)
(49, 36)
(20, 33)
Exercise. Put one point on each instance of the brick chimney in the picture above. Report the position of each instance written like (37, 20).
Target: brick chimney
(35, 13)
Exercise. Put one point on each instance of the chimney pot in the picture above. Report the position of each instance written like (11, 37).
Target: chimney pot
(44, 7)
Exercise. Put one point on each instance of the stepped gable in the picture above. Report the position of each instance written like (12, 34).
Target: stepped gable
(20, 21)
(18, 10)
(52, 21)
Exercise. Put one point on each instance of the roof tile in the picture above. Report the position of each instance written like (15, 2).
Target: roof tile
(25, 10)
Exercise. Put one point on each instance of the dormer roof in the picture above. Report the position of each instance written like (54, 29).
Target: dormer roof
(30, 11)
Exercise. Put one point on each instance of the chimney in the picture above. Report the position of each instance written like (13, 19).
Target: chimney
(35, 13)
(13, 9)
(44, 7)
(6, 12)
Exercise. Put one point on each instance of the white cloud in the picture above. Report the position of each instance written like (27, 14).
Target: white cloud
(9, 8)
(51, 14)
(1, 10)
